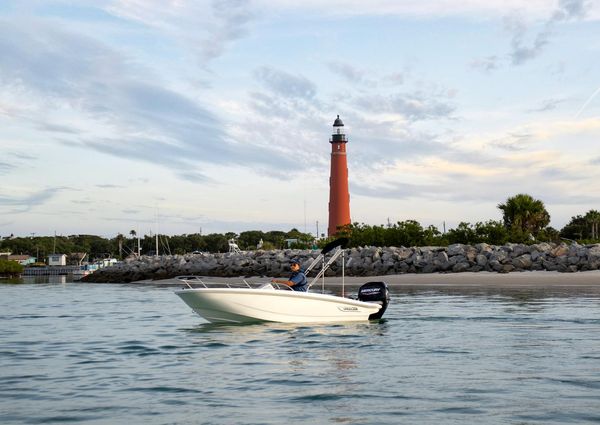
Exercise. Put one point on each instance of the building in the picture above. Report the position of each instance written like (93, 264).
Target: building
(339, 196)
(290, 242)
(57, 260)
(24, 260)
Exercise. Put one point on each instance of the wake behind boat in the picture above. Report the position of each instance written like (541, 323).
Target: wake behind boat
(244, 303)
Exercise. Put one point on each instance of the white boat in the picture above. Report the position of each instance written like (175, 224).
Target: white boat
(244, 303)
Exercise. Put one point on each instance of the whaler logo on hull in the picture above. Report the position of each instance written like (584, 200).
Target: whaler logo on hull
(346, 308)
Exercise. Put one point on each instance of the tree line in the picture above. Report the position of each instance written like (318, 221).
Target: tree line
(524, 220)
(122, 245)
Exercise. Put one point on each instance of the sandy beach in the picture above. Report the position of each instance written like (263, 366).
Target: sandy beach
(533, 279)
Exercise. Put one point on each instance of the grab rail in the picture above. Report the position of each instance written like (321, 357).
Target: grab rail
(244, 284)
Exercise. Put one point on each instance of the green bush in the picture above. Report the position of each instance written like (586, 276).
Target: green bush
(10, 267)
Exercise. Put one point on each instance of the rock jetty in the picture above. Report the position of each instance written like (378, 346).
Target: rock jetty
(363, 261)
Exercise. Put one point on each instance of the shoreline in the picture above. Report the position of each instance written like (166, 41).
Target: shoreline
(524, 279)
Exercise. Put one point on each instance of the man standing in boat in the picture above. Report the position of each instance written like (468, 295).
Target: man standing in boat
(297, 280)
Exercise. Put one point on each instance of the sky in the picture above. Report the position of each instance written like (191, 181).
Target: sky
(197, 116)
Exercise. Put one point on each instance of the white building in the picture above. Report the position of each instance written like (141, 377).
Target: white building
(57, 260)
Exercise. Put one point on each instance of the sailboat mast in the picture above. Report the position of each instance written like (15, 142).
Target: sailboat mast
(157, 232)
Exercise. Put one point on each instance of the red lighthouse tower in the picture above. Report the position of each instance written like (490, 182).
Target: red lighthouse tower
(339, 197)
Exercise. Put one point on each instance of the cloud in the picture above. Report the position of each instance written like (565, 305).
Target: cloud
(348, 72)
(137, 115)
(395, 78)
(361, 77)
(370, 138)
(285, 84)
(206, 28)
(466, 187)
(194, 177)
(548, 105)
(415, 106)
(398, 191)
(231, 18)
(110, 186)
(14, 161)
(513, 142)
(21, 155)
(419, 9)
(25, 203)
(522, 51)
(5, 167)
(487, 64)
(569, 9)
(40, 55)
(57, 128)
(285, 114)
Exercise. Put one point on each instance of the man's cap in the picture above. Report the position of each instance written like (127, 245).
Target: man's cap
(294, 261)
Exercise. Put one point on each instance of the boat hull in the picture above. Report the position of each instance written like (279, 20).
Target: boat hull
(229, 305)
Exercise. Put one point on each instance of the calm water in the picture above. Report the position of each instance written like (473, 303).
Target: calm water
(106, 354)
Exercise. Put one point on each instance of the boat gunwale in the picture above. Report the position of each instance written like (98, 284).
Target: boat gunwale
(281, 293)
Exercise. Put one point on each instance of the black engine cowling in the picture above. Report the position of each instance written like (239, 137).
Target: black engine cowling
(375, 292)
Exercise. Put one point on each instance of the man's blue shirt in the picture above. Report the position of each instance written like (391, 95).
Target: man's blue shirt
(299, 280)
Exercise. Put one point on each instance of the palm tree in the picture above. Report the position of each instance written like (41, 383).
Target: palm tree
(133, 234)
(524, 213)
(592, 217)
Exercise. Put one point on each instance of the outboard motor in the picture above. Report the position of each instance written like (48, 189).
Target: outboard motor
(375, 292)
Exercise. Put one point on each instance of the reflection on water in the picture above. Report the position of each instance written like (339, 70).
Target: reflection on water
(39, 279)
(89, 353)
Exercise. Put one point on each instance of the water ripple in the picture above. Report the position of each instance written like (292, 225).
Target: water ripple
(116, 354)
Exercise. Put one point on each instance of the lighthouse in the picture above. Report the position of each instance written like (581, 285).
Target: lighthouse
(339, 197)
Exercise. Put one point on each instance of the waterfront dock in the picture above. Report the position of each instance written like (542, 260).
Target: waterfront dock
(50, 270)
